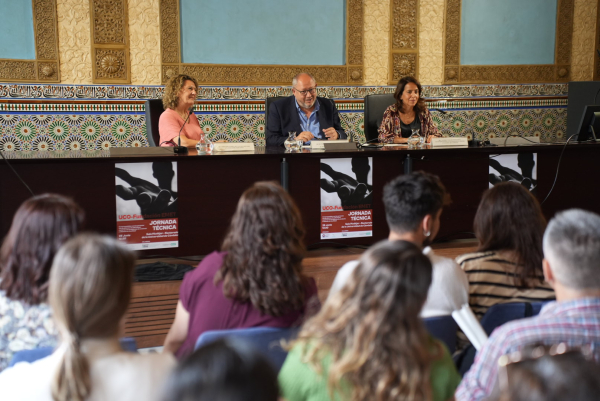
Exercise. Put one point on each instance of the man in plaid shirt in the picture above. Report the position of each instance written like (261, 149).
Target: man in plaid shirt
(572, 267)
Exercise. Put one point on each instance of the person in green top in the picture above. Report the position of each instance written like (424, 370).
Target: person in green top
(368, 342)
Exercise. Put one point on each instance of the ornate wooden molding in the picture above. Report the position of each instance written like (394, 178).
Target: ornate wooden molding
(110, 41)
(224, 74)
(597, 46)
(404, 39)
(45, 67)
(560, 71)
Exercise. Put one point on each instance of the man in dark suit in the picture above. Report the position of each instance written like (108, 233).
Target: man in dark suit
(311, 117)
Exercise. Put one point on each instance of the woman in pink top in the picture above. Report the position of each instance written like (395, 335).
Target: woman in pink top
(178, 100)
(256, 280)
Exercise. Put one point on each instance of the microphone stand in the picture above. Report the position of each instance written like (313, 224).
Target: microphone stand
(182, 150)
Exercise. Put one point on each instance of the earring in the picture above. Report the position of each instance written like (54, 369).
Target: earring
(427, 233)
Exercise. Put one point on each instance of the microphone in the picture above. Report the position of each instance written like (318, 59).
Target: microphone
(440, 110)
(182, 149)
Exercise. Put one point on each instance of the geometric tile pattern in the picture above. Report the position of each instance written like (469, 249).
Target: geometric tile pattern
(95, 126)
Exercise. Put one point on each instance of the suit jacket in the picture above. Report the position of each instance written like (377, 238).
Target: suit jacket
(283, 118)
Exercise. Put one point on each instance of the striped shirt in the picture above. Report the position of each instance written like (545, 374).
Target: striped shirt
(492, 281)
(576, 323)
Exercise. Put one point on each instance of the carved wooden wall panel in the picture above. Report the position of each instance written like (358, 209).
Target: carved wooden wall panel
(560, 71)
(404, 39)
(45, 67)
(224, 74)
(110, 41)
(597, 44)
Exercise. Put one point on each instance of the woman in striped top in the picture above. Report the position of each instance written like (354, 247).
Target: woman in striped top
(507, 266)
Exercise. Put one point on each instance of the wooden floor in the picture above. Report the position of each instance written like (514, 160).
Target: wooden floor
(152, 307)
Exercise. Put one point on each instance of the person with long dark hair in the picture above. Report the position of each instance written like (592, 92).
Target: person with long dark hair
(507, 266)
(40, 226)
(256, 279)
(407, 114)
(368, 341)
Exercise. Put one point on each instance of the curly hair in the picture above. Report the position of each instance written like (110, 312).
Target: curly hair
(39, 228)
(509, 218)
(420, 106)
(174, 84)
(265, 249)
(372, 329)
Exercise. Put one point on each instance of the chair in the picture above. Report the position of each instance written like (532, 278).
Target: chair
(268, 102)
(375, 106)
(499, 314)
(154, 108)
(495, 317)
(444, 329)
(266, 340)
(32, 355)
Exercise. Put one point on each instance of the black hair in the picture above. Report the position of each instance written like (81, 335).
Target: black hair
(410, 197)
(223, 370)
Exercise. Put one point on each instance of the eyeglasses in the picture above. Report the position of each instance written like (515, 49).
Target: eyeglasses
(312, 91)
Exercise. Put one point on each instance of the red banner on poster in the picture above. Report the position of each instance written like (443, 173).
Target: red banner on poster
(346, 197)
(147, 234)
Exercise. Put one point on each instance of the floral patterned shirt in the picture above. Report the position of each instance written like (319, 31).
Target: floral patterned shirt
(390, 125)
(23, 327)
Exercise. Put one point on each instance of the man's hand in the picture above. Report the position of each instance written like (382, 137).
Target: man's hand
(305, 136)
(331, 133)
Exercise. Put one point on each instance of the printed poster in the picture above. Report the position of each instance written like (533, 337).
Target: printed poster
(347, 197)
(515, 167)
(146, 195)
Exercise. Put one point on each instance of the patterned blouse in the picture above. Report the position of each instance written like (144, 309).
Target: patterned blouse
(390, 126)
(23, 327)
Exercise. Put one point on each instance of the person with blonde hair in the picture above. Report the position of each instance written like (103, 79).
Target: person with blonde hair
(90, 289)
(368, 341)
(178, 124)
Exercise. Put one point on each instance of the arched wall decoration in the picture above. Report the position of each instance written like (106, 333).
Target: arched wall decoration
(560, 71)
(45, 67)
(404, 39)
(225, 74)
(110, 41)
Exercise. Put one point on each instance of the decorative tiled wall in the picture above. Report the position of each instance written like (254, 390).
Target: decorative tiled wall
(101, 116)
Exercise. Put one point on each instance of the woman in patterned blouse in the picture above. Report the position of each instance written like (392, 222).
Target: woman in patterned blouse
(407, 114)
(40, 226)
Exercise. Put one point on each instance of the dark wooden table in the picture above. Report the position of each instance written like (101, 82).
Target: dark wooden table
(209, 186)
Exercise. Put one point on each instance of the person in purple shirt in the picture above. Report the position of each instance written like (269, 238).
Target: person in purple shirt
(255, 280)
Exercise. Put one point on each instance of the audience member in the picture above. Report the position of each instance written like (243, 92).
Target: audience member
(368, 341)
(571, 247)
(507, 266)
(90, 288)
(223, 371)
(256, 280)
(544, 376)
(413, 206)
(40, 226)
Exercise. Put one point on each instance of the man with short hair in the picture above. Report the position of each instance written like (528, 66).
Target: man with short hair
(310, 116)
(413, 206)
(572, 267)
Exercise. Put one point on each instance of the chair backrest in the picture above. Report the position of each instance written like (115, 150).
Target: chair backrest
(154, 108)
(375, 106)
(32, 355)
(499, 314)
(444, 329)
(266, 340)
(268, 102)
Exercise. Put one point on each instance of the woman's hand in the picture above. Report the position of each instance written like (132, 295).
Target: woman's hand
(399, 139)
